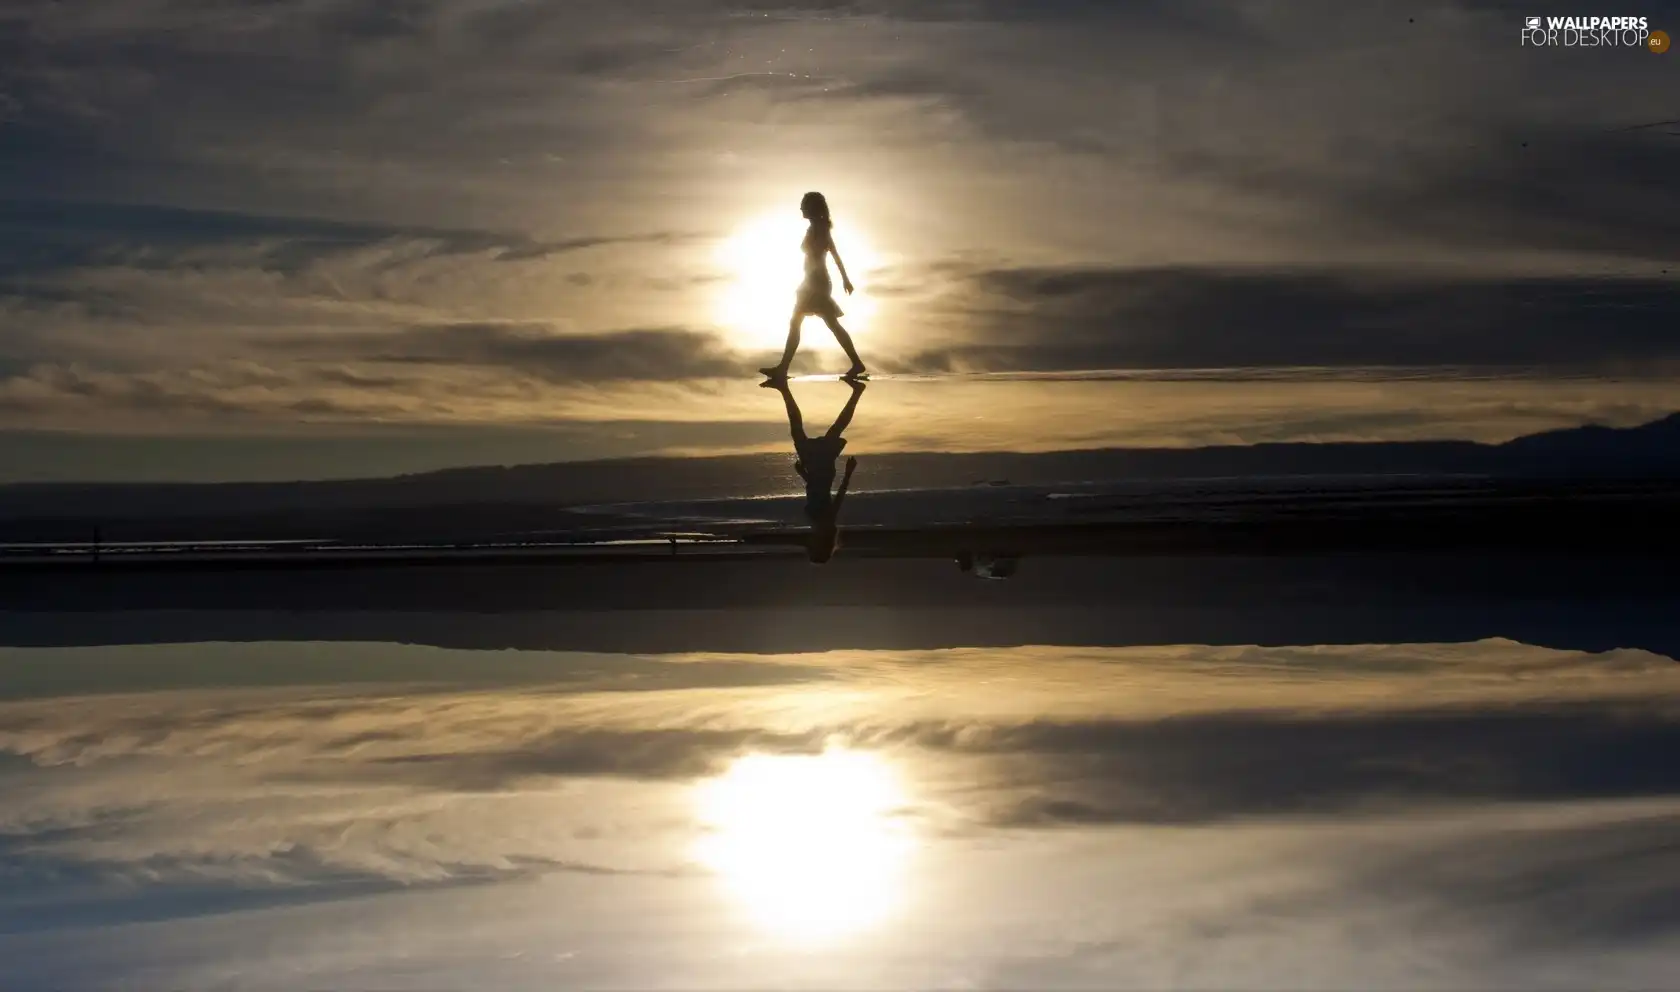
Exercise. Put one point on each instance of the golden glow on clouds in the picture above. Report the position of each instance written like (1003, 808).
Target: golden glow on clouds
(764, 267)
(808, 845)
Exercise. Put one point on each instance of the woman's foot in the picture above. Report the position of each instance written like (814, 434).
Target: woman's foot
(774, 371)
(857, 371)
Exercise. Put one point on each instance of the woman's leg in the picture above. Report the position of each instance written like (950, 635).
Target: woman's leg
(845, 340)
(796, 423)
(845, 419)
(787, 352)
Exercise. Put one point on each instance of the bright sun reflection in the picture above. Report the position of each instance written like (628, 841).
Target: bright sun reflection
(764, 267)
(808, 844)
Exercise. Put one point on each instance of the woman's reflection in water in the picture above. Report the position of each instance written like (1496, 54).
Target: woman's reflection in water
(815, 460)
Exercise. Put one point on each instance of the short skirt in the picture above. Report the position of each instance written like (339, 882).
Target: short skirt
(816, 298)
(818, 454)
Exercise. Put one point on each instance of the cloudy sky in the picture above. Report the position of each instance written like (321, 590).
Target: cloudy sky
(369, 235)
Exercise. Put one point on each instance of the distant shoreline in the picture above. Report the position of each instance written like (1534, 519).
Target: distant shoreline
(1600, 518)
(558, 500)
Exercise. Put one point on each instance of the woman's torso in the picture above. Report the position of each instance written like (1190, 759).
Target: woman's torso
(815, 247)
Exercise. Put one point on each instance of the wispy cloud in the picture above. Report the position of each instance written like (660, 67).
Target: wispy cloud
(537, 350)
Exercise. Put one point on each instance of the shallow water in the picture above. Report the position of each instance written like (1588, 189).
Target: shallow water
(275, 814)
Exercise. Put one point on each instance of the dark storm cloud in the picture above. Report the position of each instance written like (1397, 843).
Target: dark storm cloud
(1182, 770)
(38, 236)
(634, 754)
(160, 101)
(1054, 319)
(1604, 884)
(378, 20)
(1197, 769)
(1188, 770)
(978, 11)
(78, 276)
(1533, 185)
(1217, 92)
(46, 387)
(47, 890)
(1364, 124)
(534, 349)
(1537, 901)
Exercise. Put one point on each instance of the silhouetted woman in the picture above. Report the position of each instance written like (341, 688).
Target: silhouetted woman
(815, 460)
(816, 293)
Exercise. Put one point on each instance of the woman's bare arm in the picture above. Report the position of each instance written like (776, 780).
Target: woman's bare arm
(845, 280)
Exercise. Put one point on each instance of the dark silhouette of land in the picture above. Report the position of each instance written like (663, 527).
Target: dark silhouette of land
(477, 503)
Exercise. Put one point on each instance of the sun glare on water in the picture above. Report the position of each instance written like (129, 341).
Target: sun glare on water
(808, 845)
(763, 267)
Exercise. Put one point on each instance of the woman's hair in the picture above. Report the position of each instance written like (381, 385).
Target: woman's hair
(817, 205)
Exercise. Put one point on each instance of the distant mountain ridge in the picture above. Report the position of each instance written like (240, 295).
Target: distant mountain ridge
(533, 496)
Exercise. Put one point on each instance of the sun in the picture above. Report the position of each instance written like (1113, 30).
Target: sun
(763, 267)
(808, 845)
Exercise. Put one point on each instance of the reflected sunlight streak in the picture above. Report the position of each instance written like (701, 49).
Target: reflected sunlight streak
(809, 845)
(764, 267)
